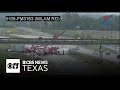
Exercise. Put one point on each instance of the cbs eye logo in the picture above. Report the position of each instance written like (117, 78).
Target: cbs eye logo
(12, 65)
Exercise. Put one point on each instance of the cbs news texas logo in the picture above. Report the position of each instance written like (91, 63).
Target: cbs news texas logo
(12, 65)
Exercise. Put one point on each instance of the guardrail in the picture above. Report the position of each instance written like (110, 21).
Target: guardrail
(60, 41)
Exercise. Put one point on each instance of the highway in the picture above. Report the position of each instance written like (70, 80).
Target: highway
(58, 41)
(66, 41)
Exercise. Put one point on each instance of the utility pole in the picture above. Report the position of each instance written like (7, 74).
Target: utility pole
(118, 49)
(111, 31)
(33, 49)
(100, 55)
(63, 49)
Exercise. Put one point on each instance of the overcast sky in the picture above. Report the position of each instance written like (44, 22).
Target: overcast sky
(102, 13)
(91, 14)
(68, 12)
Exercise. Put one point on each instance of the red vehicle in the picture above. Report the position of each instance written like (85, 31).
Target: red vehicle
(41, 50)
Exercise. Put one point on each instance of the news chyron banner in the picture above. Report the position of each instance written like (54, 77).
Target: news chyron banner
(32, 18)
(64, 43)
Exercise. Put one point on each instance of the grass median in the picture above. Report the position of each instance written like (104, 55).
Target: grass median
(91, 59)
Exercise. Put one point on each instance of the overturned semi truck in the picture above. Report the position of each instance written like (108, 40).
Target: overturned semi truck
(42, 50)
(39, 49)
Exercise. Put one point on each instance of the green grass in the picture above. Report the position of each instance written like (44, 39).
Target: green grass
(94, 33)
(4, 46)
(96, 47)
(3, 30)
(3, 55)
(69, 33)
(90, 59)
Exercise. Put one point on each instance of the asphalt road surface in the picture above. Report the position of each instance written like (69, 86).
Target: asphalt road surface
(112, 57)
